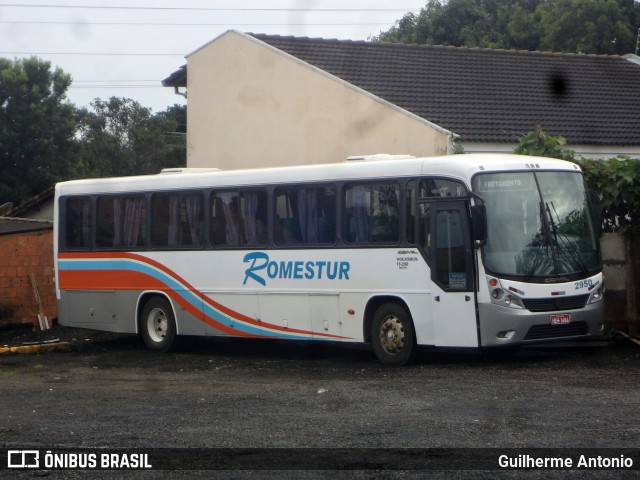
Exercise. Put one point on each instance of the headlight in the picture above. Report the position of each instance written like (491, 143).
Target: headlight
(504, 299)
(598, 294)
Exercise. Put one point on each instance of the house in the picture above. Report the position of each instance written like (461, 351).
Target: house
(262, 100)
(39, 207)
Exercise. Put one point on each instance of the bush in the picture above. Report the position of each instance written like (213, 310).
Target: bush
(615, 181)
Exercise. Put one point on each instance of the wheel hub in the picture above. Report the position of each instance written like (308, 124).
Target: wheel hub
(157, 325)
(392, 334)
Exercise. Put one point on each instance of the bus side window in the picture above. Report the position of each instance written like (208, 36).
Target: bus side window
(424, 227)
(305, 215)
(441, 187)
(78, 223)
(225, 226)
(290, 209)
(218, 225)
(121, 221)
(177, 220)
(372, 213)
(238, 218)
(253, 215)
(411, 211)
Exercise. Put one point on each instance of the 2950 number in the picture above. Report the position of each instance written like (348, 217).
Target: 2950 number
(583, 284)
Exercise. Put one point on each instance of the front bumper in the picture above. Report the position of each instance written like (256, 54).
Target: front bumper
(502, 326)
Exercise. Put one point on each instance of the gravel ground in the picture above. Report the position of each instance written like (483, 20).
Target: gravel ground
(107, 391)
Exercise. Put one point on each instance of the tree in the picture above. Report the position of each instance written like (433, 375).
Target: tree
(471, 23)
(173, 124)
(37, 128)
(575, 26)
(588, 26)
(120, 137)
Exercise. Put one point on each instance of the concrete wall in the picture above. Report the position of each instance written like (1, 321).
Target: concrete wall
(251, 105)
(22, 254)
(621, 257)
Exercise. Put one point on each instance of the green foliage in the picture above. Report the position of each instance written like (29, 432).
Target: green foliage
(615, 181)
(539, 144)
(589, 26)
(576, 26)
(121, 137)
(37, 128)
(45, 139)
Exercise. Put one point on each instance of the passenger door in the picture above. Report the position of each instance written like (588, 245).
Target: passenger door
(446, 240)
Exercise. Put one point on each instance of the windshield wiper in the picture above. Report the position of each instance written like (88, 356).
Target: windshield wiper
(566, 243)
(546, 226)
(538, 260)
(549, 229)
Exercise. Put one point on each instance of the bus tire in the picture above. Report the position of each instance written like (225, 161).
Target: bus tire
(158, 325)
(392, 335)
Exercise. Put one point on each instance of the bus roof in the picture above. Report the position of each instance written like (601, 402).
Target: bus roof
(462, 166)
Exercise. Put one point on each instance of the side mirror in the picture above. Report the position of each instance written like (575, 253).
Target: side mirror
(479, 223)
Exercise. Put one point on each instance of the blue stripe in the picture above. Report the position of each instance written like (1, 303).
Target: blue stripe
(189, 296)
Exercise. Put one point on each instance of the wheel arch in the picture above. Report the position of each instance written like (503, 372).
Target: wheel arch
(142, 301)
(373, 304)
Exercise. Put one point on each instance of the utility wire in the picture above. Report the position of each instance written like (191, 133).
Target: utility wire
(107, 54)
(117, 81)
(213, 9)
(93, 87)
(197, 24)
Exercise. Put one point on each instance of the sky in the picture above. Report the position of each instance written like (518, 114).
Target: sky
(125, 48)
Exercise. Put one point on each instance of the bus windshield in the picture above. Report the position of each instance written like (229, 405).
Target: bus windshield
(538, 225)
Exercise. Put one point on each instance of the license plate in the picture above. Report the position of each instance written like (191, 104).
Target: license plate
(561, 319)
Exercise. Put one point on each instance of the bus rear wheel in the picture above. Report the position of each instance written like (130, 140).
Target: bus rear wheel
(158, 325)
(392, 335)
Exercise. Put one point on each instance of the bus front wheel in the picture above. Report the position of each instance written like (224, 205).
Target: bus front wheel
(392, 335)
(158, 325)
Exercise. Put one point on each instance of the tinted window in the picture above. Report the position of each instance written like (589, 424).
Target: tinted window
(239, 218)
(121, 222)
(452, 269)
(177, 220)
(440, 187)
(427, 189)
(78, 223)
(305, 215)
(371, 213)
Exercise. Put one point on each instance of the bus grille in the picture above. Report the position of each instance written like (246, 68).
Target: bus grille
(555, 304)
(540, 332)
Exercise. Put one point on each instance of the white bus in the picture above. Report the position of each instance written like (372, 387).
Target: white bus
(458, 251)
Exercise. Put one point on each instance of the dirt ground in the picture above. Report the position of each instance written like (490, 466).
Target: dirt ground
(108, 391)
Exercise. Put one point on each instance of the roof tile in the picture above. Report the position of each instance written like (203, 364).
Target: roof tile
(487, 95)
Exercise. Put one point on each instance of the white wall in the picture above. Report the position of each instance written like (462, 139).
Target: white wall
(251, 105)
